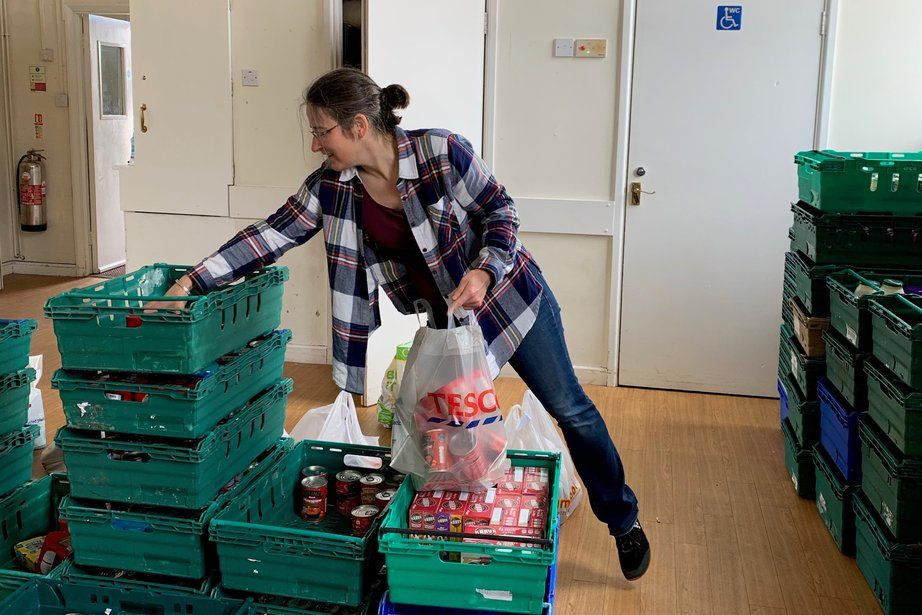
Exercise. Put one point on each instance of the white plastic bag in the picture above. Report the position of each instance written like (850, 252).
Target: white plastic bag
(36, 406)
(337, 422)
(530, 427)
(455, 434)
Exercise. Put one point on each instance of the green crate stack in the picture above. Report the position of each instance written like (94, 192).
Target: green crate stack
(859, 221)
(16, 437)
(170, 415)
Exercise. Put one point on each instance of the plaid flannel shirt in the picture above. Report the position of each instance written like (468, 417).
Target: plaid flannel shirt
(461, 219)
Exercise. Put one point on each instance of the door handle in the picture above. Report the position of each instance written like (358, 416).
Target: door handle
(143, 125)
(636, 191)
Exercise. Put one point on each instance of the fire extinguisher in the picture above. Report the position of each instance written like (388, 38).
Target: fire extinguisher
(30, 173)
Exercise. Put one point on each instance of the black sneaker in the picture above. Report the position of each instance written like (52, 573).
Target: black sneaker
(633, 552)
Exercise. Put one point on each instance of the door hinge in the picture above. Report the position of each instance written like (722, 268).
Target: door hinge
(824, 20)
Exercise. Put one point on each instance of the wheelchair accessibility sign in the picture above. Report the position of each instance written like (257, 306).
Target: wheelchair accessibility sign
(729, 17)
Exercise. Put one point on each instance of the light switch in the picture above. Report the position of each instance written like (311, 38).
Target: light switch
(563, 47)
(250, 77)
(590, 47)
(60, 100)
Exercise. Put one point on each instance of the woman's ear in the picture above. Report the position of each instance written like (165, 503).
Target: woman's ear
(360, 125)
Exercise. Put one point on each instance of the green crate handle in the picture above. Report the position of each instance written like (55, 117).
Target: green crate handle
(885, 386)
(132, 526)
(17, 328)
(544, 542)
(17, 379)
(909, 303)
(823, 466)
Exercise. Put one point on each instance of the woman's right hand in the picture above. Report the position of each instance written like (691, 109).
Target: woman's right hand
(178, 289)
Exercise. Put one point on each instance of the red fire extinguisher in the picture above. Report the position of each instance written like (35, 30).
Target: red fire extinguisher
(30, 171)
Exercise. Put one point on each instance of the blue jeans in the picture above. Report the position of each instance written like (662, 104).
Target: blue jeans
(543, 362)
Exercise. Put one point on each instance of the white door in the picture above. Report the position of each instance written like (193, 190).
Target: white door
(183, 128)
(722, 100)
(109, 133)
(435, 49)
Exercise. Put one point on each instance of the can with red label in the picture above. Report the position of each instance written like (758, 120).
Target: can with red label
(469, 454)
(347, 483)
(383, 498)
(313, 498)
(314, 471)
(362, 518)
(370, 485)
(393, 481)
(435, 450)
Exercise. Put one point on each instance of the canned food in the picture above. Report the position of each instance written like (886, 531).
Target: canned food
(383, 498)
(469, 454)
(314, 471)
(394, 480)
(371, 484)
(347, 484)
(435, 450)
(345, 504)
(362, 518)
(313, 498)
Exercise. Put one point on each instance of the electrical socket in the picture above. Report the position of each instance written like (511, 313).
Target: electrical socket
(563, 47)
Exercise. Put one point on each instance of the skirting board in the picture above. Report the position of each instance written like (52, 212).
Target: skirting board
(30, 268)
(303, 353)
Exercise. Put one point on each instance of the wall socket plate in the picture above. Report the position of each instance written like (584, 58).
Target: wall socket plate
(563, 47)
(250, 77)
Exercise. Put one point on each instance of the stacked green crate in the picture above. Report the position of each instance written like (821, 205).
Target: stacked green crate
(16, 437)
(170, 413)
(862, 213)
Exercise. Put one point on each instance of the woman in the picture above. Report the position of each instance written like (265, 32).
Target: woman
(419, 214)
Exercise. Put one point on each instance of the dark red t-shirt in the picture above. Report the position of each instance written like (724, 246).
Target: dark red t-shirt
(390, 230)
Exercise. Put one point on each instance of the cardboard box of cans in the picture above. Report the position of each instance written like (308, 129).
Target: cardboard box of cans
(517, 506)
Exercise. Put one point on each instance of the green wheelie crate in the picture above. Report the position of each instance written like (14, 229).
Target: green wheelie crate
(107, 327)
(14, 400)
(419, 569)
(28, 512)
(171, 406)
(803, 415)
(799, 462)
(896, 323)
(173, 474)
(834, 501)
(809, 282)
(850, 314)
(16, 458)
(895, 408)
(855, 182)
(844, 370)
(15, 338)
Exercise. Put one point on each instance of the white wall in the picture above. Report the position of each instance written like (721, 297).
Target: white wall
(876, 102)
(56, 245)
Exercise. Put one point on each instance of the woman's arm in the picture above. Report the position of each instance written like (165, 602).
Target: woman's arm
(258, 245)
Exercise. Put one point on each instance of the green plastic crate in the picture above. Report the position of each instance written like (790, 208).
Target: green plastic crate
(15, 338)
(11, 581)
(892, 483)
(803, 415)
(28, 512)
(896, 324)
(264, 604)
(515, 580)
(265, 547)
(799, 462)
(153, 540)
(834, 501)
(806, 371)
(892, 569)
(54, 597)
(174, 474)
(809, 282)
(171, 406)
(789, 291)
(16, 458)
(14, 400)
(105, 327)
(850, 316)
(895, 408)
(104, 577)
(858, 240)
(844, 370)
(853, 182)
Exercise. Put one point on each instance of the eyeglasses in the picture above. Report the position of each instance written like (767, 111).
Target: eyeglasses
(321, 133)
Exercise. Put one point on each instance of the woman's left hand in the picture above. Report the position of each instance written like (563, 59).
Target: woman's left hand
(471, 291)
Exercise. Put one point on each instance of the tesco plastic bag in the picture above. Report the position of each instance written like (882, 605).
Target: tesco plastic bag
(337, 422)
(455, 438)
(390, 386)
(530, 427)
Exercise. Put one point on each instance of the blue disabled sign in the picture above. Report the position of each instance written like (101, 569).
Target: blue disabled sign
(729, 17)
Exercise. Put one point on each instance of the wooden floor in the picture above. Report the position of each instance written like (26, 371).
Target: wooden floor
(728, 533)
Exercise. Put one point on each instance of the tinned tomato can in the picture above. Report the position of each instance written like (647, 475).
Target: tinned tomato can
(313, 498)
(370, 485)
(383, 498)
(314, 471)
(362, 518)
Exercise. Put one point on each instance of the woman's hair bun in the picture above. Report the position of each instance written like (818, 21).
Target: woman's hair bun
(395, 97)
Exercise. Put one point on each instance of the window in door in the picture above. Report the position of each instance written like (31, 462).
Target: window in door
(111, 81)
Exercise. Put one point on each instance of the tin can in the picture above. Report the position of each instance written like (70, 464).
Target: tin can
(371, 484)
(362, 518)
(347, 483)
(314, 471)
(313, 498)
(468, 454)
(435, 450)
(383, 498)
(394, 480)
